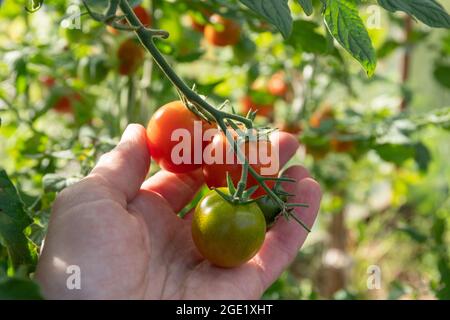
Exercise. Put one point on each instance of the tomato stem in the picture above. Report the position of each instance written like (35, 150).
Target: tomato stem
(146, 36)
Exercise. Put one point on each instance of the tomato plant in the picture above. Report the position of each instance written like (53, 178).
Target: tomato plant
(378, 150)
(227, 235)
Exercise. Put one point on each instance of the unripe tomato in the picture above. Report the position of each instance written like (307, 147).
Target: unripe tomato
(244, 50)
(227, 235)
(94, 69)
(162, 129)
(264, 109)
(277, 85)
(223, 32)
(131, 57)
(142, 15)
(226, 161)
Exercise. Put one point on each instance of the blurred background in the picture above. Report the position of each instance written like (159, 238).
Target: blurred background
(379, 146)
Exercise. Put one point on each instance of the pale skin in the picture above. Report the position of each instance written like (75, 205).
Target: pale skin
(123, 232)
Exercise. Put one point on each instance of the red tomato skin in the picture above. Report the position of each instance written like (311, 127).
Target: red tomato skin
(142, 15)
(215, 174)
(48, 81)
(64, 104)
(229, 36)
(131, 57)
(196, 25)
(277, 86)
(164, 122)
(264, 110)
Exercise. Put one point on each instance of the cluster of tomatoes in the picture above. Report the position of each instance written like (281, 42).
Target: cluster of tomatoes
(238, 229)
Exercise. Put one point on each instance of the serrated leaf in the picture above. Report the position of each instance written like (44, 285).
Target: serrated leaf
(307, 6)
(429, 12)
(346, 26)
(13, 220)
(275, 12)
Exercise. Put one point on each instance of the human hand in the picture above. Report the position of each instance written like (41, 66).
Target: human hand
(124, 234)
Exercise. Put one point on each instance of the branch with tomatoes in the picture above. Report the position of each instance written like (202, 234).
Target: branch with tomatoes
(236, 130)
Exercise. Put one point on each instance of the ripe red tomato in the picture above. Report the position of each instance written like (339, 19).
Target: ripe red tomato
(227, 235)
(48, 81)
(160, 132)
(223, 32)
(220, 159)
(277, 85)
(131, 57)
(264, 109)
(64, 104)
(197, 26)
(142, 15)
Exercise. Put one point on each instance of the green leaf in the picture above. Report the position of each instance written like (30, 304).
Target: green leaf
(429, 12)
(275, 12)
(422, 156)
(19, 289)
(305, 37)
(414, 234)
(442, 75)
(346, 26)
(395, 153)
(13, 220)
(307, 6)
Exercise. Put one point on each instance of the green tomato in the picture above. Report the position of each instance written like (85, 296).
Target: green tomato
(74, 35)
(94, 69)
(270, 209)
(228, 235)
(244, 50)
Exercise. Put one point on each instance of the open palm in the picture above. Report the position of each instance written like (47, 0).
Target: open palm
(124, 235)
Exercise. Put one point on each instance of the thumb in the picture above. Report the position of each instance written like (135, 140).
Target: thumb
(125, 167)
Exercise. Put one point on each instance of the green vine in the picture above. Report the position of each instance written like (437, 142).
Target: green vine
(199, 106)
